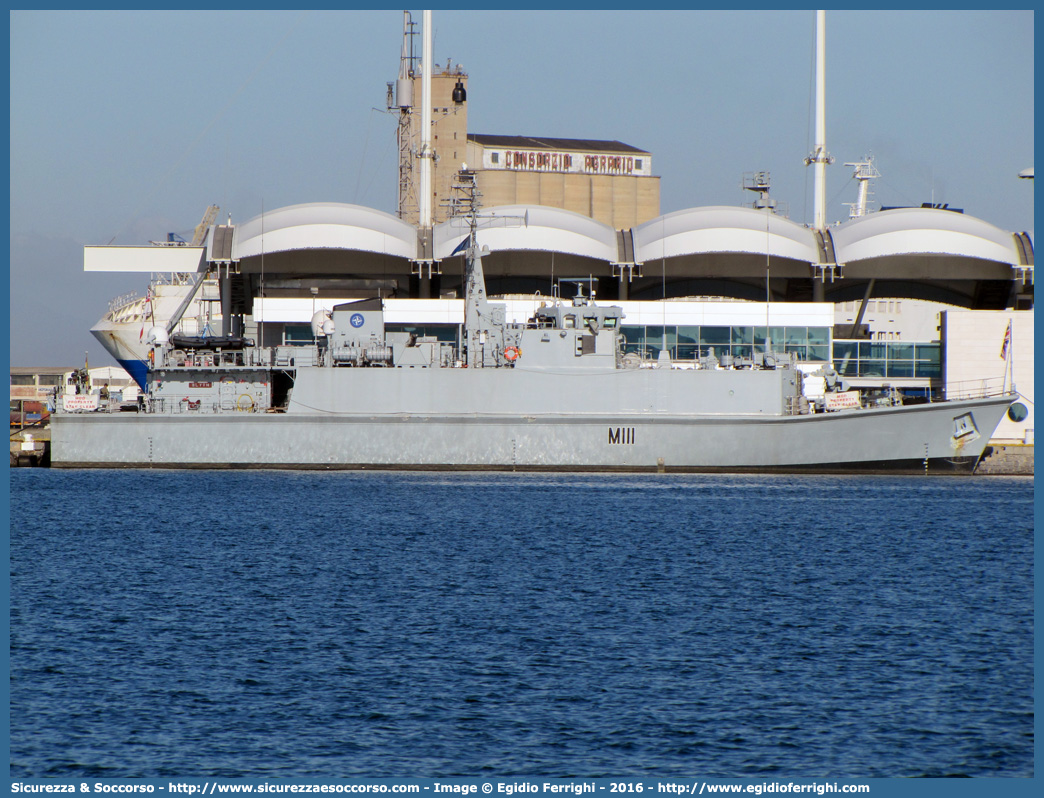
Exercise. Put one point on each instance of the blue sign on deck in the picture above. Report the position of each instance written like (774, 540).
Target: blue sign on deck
(356, 320)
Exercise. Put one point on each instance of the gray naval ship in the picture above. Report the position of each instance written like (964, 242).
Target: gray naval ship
(555, 393)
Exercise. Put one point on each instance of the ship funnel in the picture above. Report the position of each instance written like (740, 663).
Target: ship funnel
(460, 94)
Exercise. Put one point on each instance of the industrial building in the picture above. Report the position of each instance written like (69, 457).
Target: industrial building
(609, 181)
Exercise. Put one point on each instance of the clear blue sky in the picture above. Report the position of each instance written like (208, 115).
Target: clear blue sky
(126, 125)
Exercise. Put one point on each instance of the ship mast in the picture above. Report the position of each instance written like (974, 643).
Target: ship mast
(484, 321)
(865, 171)
(478, 334)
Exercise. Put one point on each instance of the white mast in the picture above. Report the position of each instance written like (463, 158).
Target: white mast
(425, 131)
(865, 171)
(819, 155)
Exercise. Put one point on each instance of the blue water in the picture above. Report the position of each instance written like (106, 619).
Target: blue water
(258, 624)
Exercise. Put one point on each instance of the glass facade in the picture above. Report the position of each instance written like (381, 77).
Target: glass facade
(871, 359)
(888, 359)
(811, 344)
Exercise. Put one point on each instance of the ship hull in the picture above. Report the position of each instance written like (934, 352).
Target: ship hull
(945, 437)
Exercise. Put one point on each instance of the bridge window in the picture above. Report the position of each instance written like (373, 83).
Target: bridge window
(445, 333)
(297, 334)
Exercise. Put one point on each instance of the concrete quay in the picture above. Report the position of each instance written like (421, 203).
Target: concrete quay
(1006, 460)
(31, 447)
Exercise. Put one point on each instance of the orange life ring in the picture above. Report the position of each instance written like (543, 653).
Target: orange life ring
(512, 353)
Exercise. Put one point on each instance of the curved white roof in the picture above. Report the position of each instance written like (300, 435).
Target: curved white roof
(921, 231)
(717, 229)
(532, 227)
(325, 225)
(691, 232)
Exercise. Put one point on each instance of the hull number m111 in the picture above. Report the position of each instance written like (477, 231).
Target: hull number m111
(624, 435)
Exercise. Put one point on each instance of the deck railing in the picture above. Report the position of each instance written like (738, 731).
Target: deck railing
(977, 389)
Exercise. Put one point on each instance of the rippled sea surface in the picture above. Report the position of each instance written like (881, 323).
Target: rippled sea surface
(257, 624)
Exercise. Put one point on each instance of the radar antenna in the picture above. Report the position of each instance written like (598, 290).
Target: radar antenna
(760, 183)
